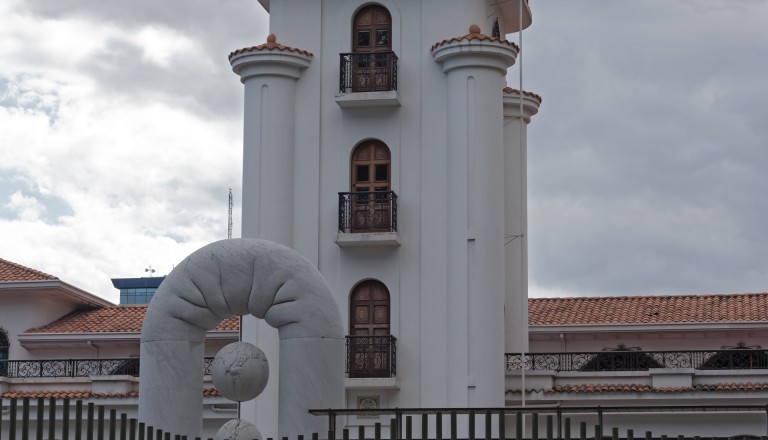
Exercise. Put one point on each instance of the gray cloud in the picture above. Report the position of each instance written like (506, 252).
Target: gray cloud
(201, 82)
(646, 162)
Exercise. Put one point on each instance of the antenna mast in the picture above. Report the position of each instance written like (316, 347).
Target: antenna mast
(229, 222)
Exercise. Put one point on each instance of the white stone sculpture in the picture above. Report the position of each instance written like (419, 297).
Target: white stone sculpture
(238, 429)
(238, 277)
(240, 371)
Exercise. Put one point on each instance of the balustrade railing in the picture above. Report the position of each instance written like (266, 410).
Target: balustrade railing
(635, 360)
(369, 211)
(371, 356)
(76, 367)
(368, 72)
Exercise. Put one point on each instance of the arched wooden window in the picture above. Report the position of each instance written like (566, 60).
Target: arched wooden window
(372, 30)
(371, 350)
(372, 208)
(370, 167)
(373, 62)
(4, 346)
(369, 309)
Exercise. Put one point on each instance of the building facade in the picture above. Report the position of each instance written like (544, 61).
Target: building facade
(380, 142)
(621, 352)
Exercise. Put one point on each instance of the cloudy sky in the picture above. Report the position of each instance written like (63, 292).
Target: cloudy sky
(121, 131)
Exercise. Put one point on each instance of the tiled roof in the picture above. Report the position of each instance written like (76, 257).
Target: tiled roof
(270, 45)
(208, 392)
(10, 271)
(747, 307)
(117, 319)
(633, 388)
(511, 91)
(474, 34)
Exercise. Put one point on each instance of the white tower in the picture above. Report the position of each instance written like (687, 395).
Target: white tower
(379, 143)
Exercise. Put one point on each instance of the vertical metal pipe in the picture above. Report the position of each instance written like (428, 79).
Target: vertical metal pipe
(100, 424)
(408, 428)
(89, 423)
(112, 424)
(25, 419)
(124, 426)
(12, 420)
(471, 425)
(79, 420)
(65, 419)
(52, 418)
(502, 426)
(40, 418)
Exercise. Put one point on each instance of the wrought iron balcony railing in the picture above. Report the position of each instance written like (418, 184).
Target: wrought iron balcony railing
(374, 211)
(368, 72)
(77, 367)
(635, 360)
(371, 356)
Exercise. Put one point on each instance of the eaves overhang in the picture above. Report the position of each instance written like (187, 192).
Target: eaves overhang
(30, 340)
(646, 328)
(57, 287)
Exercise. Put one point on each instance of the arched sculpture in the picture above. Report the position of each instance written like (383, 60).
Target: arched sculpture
(239, 277)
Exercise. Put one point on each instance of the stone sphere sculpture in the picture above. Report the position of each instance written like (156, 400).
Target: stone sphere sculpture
(240, 371)
(238, 429)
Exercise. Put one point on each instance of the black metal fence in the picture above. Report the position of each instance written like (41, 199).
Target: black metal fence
(77, 367)
(371, 356)
(368, 72)
(369, 211)
(635, 360)
(562, 423)
(65, 419)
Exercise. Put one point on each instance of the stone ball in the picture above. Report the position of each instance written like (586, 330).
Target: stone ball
(240, 371)
(271, 38)
(474, 29)
(238, 429)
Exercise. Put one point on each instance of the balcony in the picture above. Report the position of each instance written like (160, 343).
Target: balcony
(77, 367)
(368, 218)
(371, 356)
(368, 79)
(636, 360)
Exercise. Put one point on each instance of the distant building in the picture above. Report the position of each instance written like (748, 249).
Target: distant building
(137, 290)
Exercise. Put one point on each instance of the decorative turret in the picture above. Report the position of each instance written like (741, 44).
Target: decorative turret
(475, 66)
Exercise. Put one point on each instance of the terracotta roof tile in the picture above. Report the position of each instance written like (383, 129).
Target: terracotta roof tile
(208, 392)
(10, 271)
(116, 319)
(747, 307)
(474, 34)
(511, 91)
(635, 388)
(270, 45)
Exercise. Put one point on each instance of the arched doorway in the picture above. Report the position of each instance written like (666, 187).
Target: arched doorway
(373, 61)
(370, 346)
(373, 200)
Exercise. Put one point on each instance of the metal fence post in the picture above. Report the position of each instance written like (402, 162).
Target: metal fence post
(65, 420)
